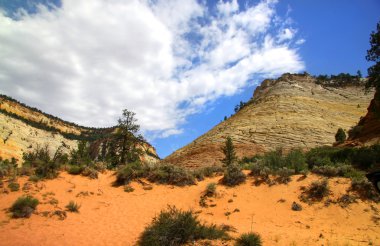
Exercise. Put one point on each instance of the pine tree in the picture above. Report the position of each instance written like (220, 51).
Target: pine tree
(340, 136)
(373, 54)
(229, 152)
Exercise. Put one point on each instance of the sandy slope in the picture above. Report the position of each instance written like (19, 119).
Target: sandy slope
(110, 216)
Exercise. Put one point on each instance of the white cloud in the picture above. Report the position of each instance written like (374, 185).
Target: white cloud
(88, 60)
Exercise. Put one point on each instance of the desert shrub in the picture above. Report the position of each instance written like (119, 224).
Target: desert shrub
(129, 172)
(364, 189)
(100, 166)
(90, 172)
(73, 207)
(13, 186)
(5, 168)
(176, 227)
(366, 157)
(284, 175)
(23, 207)
(296, 160)
(346, 200)
(75, 170)
(128, 188)
(208, 171)
(316, 191)
(44, 165)
(25, 170)
(273, 159)
(319, 156)
(170, 174)
(34, 178)
(256, 169)
(233, 175)
(249, 239)
(210, 190)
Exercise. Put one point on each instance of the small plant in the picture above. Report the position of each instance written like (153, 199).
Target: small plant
(249, 239)
(284, 175)
(364, 189)
(75, 170)
(13, 186)
(210, 190)
(176, 227)
(129, 172)
(34, 178)
(233, 176)
(316, 191)
(128, 188)
(90, 172)
(23, 207)
(73, 207)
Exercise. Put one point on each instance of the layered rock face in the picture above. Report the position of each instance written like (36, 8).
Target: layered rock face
(23, 129)
(367, 132)
(292, 111)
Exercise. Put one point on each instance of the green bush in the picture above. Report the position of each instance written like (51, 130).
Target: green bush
(13, 186)
(75, 170)
(129, 172)
(233, 175)
(296, 160)
(23, 207)
(128, 188)
(249, 239)
(172, 175)
(316, 191)
(73, 207)
(273, 160)
(176, 227)
(364, 189)
(90, 172)
(210, 190)
(284, 175)
(34, 178)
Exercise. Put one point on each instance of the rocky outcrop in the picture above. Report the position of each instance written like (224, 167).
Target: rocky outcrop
(367, 132)
(293, 111)
(23, 129)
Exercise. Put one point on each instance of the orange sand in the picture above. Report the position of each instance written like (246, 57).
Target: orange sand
(110, 216)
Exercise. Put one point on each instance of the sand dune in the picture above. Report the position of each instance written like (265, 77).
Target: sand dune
(110, 216)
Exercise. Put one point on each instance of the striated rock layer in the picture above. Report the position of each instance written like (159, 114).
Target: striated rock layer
(293, 111)
(23, 128)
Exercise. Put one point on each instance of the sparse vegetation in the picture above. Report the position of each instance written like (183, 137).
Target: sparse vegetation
(128, 188)
(249, 239)
(90, 172)
(162, 173)
(233, 176)
(75, 170)
(364, 189)
(177, 227)
(210, 190)
(316, 191)
(13, 186)
(73, 207)
(23, 207)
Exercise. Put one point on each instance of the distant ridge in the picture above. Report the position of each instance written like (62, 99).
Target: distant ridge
(293, 111)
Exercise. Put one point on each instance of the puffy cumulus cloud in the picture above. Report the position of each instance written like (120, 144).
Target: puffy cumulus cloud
(85, 61)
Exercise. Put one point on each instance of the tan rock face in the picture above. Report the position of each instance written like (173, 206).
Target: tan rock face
(18, 135)
(290, 112)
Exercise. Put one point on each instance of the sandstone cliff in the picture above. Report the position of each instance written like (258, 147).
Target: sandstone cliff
(367, 132)
(289, 112)
(23, 128)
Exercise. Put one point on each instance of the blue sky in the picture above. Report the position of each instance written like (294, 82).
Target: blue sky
(180, 65)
